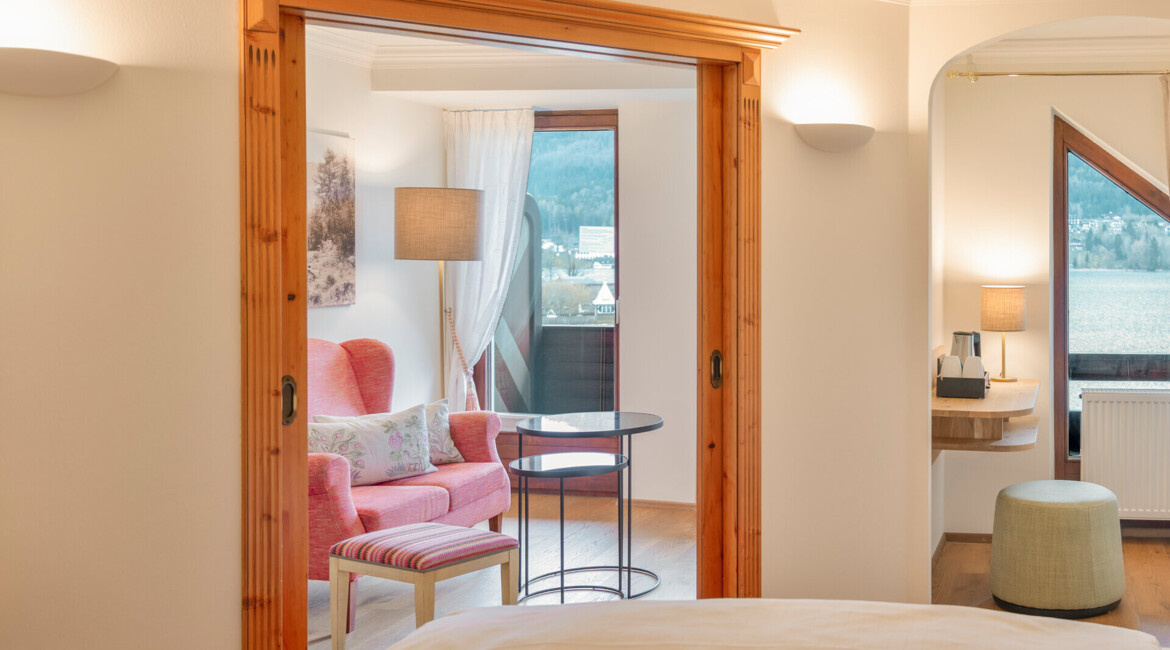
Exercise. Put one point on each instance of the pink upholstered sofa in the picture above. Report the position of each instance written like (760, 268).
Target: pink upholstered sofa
(355, 378)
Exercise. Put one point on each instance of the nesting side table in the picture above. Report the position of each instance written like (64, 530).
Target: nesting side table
(624, 425)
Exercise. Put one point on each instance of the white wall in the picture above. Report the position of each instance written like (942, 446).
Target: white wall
(140, 180)
(845, 288)
(937, 198)
(657, 237)
(938, 475)
(845, 276)
(999, 226)
(396, 143)
(119, 333)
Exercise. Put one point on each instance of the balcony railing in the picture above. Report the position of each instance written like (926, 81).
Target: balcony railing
(1119, 367)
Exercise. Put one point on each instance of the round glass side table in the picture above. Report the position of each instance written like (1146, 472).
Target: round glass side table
(561, 466)
(599, 424)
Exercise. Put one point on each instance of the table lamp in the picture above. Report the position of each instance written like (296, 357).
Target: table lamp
(443, 224)
(1003, 309)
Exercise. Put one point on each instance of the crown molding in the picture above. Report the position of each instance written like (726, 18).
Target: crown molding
(1149, 51)
(956, 3)
(453, 55)
(337, 45)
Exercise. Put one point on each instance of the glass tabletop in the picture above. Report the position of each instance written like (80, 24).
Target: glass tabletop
(589, 425)
(568, 464)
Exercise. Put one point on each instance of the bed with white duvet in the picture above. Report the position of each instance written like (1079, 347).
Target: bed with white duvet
(764, 623)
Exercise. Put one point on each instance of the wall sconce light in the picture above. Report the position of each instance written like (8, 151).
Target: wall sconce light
(834, 138)
(46, 73)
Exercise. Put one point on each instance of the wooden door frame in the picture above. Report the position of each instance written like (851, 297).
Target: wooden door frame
(726, 54)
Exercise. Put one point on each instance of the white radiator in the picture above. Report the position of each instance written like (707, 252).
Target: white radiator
(1125, 446)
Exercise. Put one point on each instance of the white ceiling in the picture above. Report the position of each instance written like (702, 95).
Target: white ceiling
(541, 100)
(383, 49)
(457, 73)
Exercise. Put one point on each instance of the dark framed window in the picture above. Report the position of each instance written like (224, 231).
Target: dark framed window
(1111, 282)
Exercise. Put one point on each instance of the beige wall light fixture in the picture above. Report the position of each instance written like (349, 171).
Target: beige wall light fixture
(1003, 310)
(47, 73)
(834, 137)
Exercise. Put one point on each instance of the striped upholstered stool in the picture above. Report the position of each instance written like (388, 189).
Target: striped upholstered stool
(421, 554)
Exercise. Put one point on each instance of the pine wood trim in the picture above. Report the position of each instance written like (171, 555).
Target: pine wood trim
(261, 324)
(748, 337)
(751, 67)
(273, 307)
(598, 26)
(1066, 138)
(261, 15)
(709, 498)
(294, 442)
(729, 136)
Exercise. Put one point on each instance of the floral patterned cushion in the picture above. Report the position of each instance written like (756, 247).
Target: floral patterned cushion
(378, 450)
(443, 449)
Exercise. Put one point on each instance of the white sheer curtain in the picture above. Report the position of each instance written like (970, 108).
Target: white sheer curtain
(486, 150)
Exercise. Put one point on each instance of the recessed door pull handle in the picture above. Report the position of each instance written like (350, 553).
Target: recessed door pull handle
(716, 369)
(288, 400)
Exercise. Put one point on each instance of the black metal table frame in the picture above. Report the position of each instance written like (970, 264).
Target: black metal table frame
(625, 555)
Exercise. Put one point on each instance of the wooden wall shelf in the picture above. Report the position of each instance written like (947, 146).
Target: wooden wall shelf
(1019, 434)
(994, 423)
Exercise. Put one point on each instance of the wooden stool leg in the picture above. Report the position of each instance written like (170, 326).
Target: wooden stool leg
(339, 601)
(424, 600)
(509, 576)
(495, 524)
(351, 617)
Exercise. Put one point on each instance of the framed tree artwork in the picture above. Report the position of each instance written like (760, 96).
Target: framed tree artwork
(331, 220)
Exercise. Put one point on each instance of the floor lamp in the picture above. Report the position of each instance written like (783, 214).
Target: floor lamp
(435, 223)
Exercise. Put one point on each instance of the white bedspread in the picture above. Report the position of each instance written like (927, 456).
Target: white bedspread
(752, 623)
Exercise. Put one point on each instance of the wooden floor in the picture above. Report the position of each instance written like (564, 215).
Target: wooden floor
(664, 541)
(961, 577)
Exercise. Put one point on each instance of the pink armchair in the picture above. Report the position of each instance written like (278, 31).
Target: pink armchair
(356, 378)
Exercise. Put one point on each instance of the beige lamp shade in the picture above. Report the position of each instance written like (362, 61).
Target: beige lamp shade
(435, 223)
(1003, 308)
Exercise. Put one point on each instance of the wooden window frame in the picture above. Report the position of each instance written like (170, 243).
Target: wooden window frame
(726, 55)
(1067, 139)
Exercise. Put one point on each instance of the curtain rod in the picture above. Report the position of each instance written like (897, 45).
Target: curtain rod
(973, 76)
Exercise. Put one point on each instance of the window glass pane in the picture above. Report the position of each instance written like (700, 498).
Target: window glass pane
(554, 346)
(571, 177)
(1118, 286)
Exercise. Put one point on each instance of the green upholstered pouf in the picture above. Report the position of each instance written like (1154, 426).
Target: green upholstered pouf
(1056, 549)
